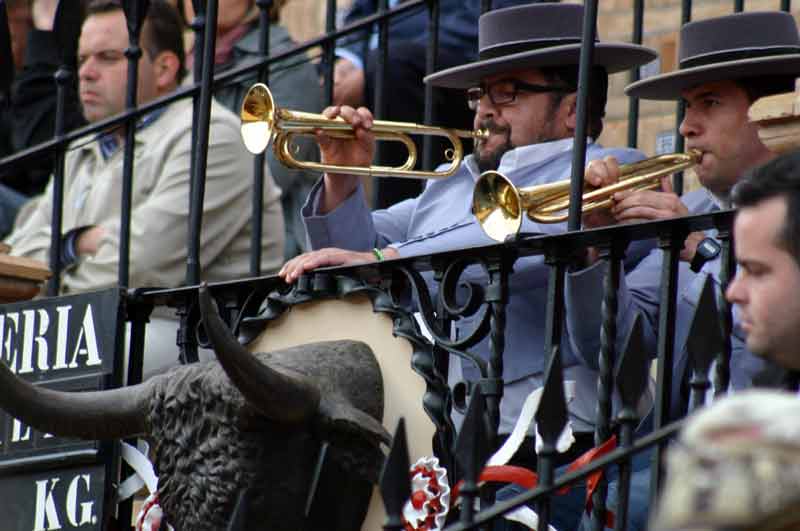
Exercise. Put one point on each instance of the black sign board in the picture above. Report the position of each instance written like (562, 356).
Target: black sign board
(61, 337)
(70, 343)
(66, 499)
(65, 343)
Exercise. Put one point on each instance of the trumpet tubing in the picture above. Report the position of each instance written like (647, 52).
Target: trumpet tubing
(498, 205)
(264, 124)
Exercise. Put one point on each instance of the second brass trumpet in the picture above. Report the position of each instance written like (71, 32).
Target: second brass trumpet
(263, 123)
(498, 204)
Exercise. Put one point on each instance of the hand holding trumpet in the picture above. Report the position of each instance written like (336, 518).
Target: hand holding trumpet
(358, 150)
(636, 205)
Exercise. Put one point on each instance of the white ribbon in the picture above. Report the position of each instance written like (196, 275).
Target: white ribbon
(145, 475)
(525, 515)
(526, 420)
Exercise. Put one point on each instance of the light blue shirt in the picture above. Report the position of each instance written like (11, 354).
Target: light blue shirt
(440, 219)
(639, 291)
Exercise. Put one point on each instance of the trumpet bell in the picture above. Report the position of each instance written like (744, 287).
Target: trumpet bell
(258, 118)
(496, 204)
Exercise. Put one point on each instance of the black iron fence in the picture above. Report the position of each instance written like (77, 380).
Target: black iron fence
(246, 301)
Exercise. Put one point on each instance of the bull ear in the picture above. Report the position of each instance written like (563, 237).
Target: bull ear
(284, 396)
(111, 414)
(340, 415)
(355, 437)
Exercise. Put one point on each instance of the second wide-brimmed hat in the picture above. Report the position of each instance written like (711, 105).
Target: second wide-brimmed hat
(535, 36)
(727, 48)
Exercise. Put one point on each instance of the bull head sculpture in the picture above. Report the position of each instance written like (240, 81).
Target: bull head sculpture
(249, 422)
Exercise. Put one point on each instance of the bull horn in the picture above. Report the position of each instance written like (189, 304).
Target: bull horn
(284, 395)
(111, 414)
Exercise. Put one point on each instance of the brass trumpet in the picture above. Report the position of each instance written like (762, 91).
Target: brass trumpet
(498, 204)
(263, 123)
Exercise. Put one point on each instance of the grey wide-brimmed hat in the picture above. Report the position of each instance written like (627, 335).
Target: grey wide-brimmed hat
(726, 48)
(534, 36)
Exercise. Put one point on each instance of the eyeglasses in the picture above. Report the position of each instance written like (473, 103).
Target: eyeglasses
(505, 91)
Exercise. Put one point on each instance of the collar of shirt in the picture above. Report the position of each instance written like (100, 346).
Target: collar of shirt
(109, 143)
(525, 156)
(722, 203)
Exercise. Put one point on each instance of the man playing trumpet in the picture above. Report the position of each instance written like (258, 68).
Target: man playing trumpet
(725, 64)
(718, 83)
(523, 91)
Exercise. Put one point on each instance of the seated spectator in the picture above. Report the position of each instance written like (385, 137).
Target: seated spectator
(292, 83)
(354, 77)
(159, 218)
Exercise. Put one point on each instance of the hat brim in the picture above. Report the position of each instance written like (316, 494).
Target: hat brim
(670, 85)
(615, 57)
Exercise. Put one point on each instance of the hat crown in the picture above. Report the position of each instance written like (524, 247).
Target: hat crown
(528, 27)
(738, 36)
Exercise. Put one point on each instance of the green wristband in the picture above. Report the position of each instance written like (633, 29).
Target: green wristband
(378, 254)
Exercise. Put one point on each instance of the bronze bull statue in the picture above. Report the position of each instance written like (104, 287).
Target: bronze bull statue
(250, 423)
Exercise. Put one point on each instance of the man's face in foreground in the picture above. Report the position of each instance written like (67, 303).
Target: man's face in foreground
(766, 288)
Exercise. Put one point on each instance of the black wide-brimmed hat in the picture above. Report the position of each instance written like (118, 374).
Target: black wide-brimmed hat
(727, 48)
(534, 36)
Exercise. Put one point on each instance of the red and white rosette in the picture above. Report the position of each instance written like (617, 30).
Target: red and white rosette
(430, 496)
(149, 518)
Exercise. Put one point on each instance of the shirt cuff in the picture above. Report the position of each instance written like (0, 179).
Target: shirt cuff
(348, 226)
(69, 251)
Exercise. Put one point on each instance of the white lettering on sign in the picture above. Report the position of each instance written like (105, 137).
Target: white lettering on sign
(53, 507)
(86, 345)
(86, 516)
(9, 326)
(46, 512)
(35, 325)
(19, 434)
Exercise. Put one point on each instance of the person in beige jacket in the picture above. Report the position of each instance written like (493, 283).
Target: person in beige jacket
(159, 218)
(160, 200)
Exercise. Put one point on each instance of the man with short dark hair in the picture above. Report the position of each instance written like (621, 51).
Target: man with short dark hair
(747, 444)
(161, 184)
(160, 199)
(766, 289)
